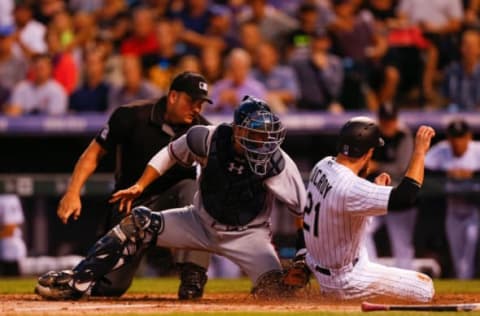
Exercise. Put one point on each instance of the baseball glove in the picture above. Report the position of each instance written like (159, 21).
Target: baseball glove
(297, 275)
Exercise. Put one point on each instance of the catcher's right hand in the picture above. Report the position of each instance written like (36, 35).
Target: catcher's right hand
(297, 275)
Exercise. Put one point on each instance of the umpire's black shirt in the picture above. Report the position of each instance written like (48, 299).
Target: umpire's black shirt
(136, 132)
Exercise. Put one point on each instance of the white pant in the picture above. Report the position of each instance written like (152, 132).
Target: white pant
(462, 234)
(366, 279)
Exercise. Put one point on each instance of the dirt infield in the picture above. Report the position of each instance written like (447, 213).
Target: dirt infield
(16, 304)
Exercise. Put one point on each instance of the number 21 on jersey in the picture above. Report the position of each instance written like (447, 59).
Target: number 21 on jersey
(308, 215)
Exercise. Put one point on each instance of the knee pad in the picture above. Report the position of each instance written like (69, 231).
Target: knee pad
(140, 227)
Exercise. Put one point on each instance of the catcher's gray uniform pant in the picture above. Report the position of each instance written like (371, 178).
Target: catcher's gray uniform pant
(118, 281)
(249, 247)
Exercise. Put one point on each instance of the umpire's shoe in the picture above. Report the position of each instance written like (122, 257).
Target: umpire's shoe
(193, 278)
(55, 285)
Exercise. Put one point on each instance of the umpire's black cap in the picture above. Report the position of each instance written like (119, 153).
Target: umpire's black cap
(357, 136)
(192, 84)
(457, 128)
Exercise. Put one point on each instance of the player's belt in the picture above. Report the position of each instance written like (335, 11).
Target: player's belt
(329, 272)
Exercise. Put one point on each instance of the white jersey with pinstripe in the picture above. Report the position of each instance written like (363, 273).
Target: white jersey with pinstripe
(338, 207)
(462, 219)
(337, 210)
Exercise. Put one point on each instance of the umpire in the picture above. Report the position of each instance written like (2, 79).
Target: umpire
(134, 133)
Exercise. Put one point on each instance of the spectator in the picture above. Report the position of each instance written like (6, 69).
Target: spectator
(193, 21)
(457, 159)
(92, 96)
(12, 246)
(274, 25)
(212, 64)
(471, 14)
(108, 13)
(406, 46)
(160, 65)
(6, 10)
(250, 37)
(188, 63)
(143, 40)
(65, 70)
(45, 10)
(85, 28)
(219, 30)
(12, 69)
(440, 21)
(228, 92)
(30, 36)
(89, 6)
(299, 40)
(113, 62)
(358, 41)
(320, 77)
(63, 26)
(135, 87)
(393, 159)
(461, 84)
(280, 81)
(41, 94)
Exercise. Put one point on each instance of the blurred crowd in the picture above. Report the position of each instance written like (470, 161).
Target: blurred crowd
(64, 56)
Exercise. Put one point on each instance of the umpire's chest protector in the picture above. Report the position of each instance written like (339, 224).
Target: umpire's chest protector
(231, 193)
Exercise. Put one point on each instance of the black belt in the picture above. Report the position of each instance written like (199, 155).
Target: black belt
(327, 271)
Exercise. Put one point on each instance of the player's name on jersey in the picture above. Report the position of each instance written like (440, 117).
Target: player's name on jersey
(320, 181)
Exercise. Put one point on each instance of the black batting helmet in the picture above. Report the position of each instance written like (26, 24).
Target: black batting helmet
(357, 136)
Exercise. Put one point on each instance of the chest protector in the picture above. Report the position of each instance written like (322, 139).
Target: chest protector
(231, 193)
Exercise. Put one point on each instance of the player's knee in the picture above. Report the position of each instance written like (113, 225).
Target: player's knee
(428, 290)
(141, 225)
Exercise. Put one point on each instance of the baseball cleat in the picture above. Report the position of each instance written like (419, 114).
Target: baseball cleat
(57, 286)
(193, 278)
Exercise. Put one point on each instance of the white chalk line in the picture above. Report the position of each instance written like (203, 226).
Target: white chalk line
(82, 307)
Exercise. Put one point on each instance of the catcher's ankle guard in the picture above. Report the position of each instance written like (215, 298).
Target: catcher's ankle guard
(136, 231)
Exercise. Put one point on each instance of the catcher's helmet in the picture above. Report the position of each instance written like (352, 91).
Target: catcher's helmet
(260, 132)
(357, 136)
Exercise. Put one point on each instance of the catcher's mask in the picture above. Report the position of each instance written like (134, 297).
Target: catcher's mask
(259, 132)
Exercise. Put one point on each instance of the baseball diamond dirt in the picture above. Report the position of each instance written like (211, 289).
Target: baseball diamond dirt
(138, 304)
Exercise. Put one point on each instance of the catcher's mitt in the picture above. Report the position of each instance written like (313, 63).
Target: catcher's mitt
(297, 275)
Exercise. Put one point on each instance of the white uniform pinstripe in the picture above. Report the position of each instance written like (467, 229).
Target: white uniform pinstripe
(337, 211)
(462, 220)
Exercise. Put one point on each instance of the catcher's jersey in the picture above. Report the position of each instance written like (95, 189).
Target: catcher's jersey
(336, 212)
(285, 189)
